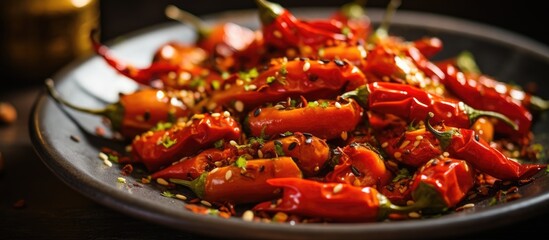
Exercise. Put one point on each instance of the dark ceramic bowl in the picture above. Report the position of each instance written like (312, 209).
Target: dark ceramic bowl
(90, 82)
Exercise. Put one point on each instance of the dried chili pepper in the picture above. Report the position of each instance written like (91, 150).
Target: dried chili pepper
(469, 89)
(353, 16)
(462, 143)
(156, 149)
(466, 63)
(334, 202)
(413, 148)
(192, 167)
(443, 183)
(142, 76)
(283, 30)
(289, 79)
(137, 112)
(332, 118)
(309, 152)
(414, 104)
(360, 165)
(175, 66)
(233, 47)
(242, 184)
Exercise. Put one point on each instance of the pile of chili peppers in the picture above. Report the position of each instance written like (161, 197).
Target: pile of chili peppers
(324, 120)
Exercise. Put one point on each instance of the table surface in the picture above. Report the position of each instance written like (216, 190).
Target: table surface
(52, 210)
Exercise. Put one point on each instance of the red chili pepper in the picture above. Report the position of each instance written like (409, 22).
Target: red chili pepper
(464, 144)
(283, 30)
(137, 112)
(192, 167)
(443, 183)
(142, 76)
(398, 61)
(232, 46)
(472, 92)
(414, 104)
(354, 17)
(466, 63)
(332, 118)
(334, 202)
(360, 165)
(309, 152)
(242, 184)
(289, 79)
(428, 46)
(413, 148)
(175, 65)
(157, 149)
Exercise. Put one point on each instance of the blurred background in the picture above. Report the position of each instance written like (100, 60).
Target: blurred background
(41, 36)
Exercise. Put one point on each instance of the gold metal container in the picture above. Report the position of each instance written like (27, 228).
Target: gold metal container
(41, 36)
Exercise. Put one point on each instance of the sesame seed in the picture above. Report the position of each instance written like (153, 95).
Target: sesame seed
(414, 215)
(233, 143)
(278, 106)
(214, 170)
(228, 175)
(226, 114)
(306, 66)
(107, 162)
(384, 144)
(239, 106)
(445, 154)
(248, 216)
(75, 138)
(252, 87)
(103, 156)
(344, 135)
(404, 144)
(316, 168)
(205, 203)
(392, 163)
(162, 182)
(216, 115)
(340, 63)
(218, 163)
(181, 197)
(468, 205)
(419, 138)
(410, 202)
(292, 146)
(338, 188)
(337, 105)
(257, 112)
(121, 180)
(277, 34)
(259, 153)
(416, 143)
(398, 155)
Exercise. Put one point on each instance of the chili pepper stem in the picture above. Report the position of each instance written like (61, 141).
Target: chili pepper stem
(474, 114)
(443, 137)
(113, 112)
(360, 94)
(383, 30)
(175, 13)
(538, 103)
(466, 62)
(268, 11)
(354, 10)
(55, 95)
(197, 185)
(386, 207)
